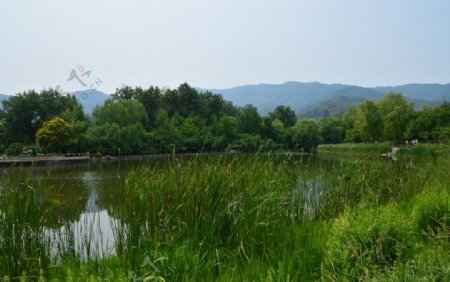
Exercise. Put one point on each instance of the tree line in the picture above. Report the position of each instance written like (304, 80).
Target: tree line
(154, 120)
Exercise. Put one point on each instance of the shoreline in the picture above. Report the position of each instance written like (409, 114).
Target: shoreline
(54, 160)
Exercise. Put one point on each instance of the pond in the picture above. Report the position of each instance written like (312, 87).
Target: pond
(87, 200)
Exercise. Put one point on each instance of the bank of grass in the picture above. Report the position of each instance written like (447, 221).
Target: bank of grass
(388, 243)
(424, 151)
(356, 148)
(253, 218)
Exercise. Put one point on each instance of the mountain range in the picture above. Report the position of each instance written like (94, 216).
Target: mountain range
(307, 99)
(315, 100)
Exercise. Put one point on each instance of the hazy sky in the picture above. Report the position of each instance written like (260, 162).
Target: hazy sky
(222, 43)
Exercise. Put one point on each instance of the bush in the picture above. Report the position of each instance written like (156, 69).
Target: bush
(432, 213)
(14, 149)
(365, 241)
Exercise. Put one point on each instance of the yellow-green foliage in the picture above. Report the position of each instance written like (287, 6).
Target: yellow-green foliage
(56, 135)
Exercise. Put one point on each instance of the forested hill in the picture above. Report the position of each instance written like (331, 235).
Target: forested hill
(316, 99)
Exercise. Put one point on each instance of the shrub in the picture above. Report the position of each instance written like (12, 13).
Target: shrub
(432, 213)
(14, 149)
(365, 241)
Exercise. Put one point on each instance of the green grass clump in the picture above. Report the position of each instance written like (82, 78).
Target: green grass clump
(409, 241)
(364, 241)
(432, 214)
(356, 148)
(23, 246)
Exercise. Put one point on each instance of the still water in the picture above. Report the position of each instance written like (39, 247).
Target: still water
(81, 198)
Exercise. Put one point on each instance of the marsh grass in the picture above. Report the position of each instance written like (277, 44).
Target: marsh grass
(255, 217)
(425, 151)
(23, 246)
(356, 148)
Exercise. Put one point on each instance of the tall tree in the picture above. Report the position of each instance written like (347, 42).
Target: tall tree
(332, 129)
(306, 135)
(285, 114)
(150, 98)
(249, 120)
(352, 123)
(121, 112)
(118, 128)
(190, 101)
(396, 112)
(372, 127)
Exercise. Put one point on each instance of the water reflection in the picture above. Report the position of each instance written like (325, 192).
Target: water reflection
(306, 196)
(78, 201)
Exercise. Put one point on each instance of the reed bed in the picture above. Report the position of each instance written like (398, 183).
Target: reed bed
(261, 217)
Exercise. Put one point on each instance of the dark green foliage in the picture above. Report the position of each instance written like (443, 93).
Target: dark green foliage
(333, 130)
(430, 125)
(118, 128)
(14, 149)
(111, 139)
(249, 120)
(120, 112)
(396, 113)
(306, 135)
(27, 111)
(285, 114)
(150, 98)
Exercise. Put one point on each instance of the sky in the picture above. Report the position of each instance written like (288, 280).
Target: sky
(221, 43)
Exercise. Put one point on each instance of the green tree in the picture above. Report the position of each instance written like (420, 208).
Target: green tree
(26, 112)
(333, 130)
(193, 132)
(429, 124)
(285, 114)
(150, 98)
(249, 120)
(118, 128)
(352, 125)
(306, 135)
(120, 112)
(372, 127)
(190, 101)
(396, 112)
(56, 136)
(170, 101)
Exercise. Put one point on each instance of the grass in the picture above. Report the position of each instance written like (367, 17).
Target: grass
(250, 218)
(424, 151)
(356, 148)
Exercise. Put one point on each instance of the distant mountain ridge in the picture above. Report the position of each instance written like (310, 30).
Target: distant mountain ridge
(314, 99)
(89, 99)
